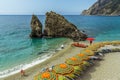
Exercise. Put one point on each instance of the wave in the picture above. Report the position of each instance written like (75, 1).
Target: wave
(18, 68)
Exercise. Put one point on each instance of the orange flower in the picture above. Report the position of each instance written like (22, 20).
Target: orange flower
(73, 58)
(81, 55)
(63, 65)
(45, 75)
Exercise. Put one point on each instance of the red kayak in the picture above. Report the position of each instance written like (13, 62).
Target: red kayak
(79, 45)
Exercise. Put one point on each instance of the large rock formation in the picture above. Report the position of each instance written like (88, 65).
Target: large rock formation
(57, 26)
(36, 27)
(104, 7)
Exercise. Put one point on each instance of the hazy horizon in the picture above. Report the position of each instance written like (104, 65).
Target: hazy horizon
(40, 7)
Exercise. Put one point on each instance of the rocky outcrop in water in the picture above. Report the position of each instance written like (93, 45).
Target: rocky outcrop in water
(36, 27)
(104, 7)
(57, 26)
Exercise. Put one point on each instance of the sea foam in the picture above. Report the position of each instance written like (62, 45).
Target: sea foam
(18, 68)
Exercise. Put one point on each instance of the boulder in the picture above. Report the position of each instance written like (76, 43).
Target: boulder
(57, 26)
(36, 27)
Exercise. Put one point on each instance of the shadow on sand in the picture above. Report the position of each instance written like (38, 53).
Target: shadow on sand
(87, 74)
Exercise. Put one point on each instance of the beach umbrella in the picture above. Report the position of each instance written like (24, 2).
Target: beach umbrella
(74, 61)
(85, 65)
(61, 77)
(101, 44)
(63, 69)
(88, 52)
(92, 48)
(107, 43)
(46, 76)
(96, 46)
(82, 56)
(115, 42)
(90, 39)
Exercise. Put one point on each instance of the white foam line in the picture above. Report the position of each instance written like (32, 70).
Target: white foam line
(17, 69)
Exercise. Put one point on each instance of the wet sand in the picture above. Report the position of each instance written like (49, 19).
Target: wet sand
(107, 69)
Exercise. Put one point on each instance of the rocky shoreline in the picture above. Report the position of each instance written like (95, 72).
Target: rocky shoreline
(104, 8)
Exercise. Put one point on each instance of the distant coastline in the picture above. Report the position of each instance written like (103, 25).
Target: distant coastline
(104, 7)
(101, 15)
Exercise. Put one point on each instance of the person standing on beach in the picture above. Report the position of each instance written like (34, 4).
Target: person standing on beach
(90, 42)
(22, 72)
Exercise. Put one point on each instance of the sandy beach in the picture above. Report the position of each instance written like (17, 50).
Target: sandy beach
(57, 58)
(107, 69)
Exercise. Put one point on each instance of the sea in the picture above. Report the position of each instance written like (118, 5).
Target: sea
(19, 51)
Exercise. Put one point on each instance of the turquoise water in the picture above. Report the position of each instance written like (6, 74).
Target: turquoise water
(103, 28)
(17, 48)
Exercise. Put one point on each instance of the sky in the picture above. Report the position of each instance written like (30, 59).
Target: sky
(40, 7)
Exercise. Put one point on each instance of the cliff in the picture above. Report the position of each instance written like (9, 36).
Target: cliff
(104, 7)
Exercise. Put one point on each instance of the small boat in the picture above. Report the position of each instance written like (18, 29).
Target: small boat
(79, 45)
